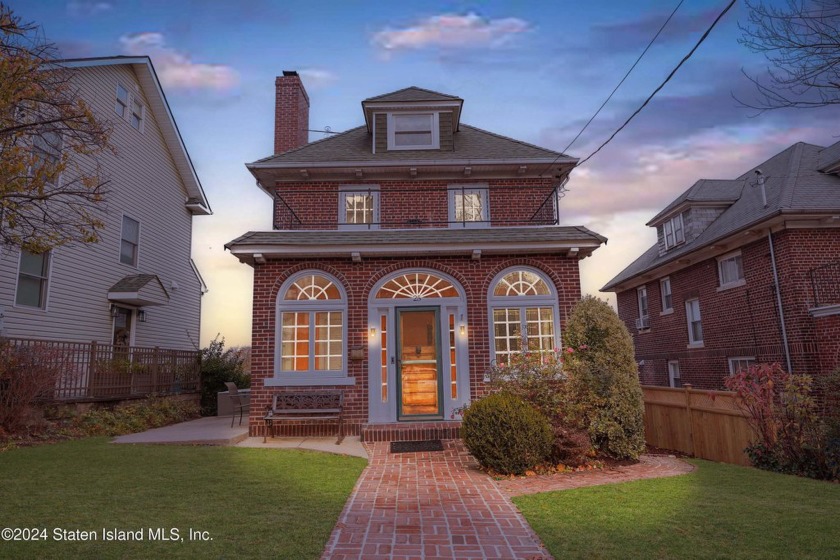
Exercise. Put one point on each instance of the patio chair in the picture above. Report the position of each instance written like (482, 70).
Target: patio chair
(239, 401)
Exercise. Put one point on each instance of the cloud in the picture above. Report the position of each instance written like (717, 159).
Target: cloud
(314, 78)
(638, 33)
(175, 69)
(450, 31)
(87, 8)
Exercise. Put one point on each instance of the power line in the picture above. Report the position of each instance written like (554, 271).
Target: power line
(671, 75)
(607, 100)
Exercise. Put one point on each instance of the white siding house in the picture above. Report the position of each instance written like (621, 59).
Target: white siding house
(138, 284)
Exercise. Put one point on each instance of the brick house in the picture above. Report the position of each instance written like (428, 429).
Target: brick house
(407, 255)
(744, 270)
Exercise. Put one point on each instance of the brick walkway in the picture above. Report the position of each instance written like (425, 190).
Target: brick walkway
(649, 466)
(430, 506)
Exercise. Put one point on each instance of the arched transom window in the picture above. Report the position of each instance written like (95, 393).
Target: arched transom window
(523, 313)
(312, 313)
(416, 286)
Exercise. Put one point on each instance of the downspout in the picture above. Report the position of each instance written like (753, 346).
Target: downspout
(779, 300)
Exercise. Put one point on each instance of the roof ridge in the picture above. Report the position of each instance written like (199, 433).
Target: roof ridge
(502, 136)
(293, 150)
(375, 97)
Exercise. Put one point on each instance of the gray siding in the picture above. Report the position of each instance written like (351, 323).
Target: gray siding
(446, 142)
(380, 122)
(144, 185)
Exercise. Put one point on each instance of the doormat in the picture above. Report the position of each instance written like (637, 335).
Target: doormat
(416, 446)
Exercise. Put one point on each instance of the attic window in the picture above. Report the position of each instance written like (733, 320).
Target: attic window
(674, 231)
(413, 131)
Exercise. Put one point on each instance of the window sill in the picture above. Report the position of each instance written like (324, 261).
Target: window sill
(691, 345)
(731, 285)
(666, 312)
(307, 381)
(644, 331)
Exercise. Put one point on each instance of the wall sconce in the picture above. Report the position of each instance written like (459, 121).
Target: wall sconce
(372, 332)
(114, 311)
(141, 315)
(463, 329)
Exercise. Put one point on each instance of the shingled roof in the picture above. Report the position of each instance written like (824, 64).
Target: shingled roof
(793, 184)
(412, 93)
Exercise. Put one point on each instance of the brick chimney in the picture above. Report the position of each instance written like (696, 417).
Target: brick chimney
(291, 113)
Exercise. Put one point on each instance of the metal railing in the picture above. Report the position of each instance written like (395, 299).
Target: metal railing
(98, 372)
(825, 284)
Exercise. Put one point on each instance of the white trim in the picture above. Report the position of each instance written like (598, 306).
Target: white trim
(672, 225)
(692, 342)
(641, 294)
(482, 190)
(522, 302)
(343, 191)
(476, 162)
(741, 281)
(825, 311)
(132, 322)
(435, 131)
(46, 289)
(732, 359)
(671, 376)
(136, 264)
(202, 285)
(670, 309)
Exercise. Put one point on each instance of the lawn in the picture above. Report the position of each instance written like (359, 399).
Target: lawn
(252, 503)
(718, 511)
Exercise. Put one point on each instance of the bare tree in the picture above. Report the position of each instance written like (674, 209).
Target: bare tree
(51, 181)
(801, 40)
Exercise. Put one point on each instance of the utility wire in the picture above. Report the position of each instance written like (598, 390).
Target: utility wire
(607, 100)
(671, 75)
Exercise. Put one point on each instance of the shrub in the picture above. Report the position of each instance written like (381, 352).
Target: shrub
(28, 373)
(604, 394)
(571, 446)
(534, 377)
(506, 434)
(153, 412)
(217, 367)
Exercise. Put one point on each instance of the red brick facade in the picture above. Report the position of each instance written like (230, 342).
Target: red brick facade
(358, 278)
(742, 321)
(291, 113)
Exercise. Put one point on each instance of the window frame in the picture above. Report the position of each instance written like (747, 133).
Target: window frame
(343, 192)
(136, 263)
(733, 360)
(674, 381)
(48, 151)
(642, 296)
(721, 260)
(435, 130)
(671, 225)
(522, 303)
(44, 281)
(312, 376)
(666, 309)
(690, 319)
(141, 118)
(118, 102)
(483, 191)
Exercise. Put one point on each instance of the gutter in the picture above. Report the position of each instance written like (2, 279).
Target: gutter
(779, 301)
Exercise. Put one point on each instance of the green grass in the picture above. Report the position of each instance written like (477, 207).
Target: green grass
(254, 503)
(718, 511)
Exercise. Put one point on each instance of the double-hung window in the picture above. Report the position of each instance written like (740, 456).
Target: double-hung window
(311, 316)
(695, 326)
(674, 379)
(674, 231)
(137, 114)
(523, 315)
(731, 270)
(130, 241)
(46, 149)
(413, 131)
(33, 277)
(121, 105)
(665, 295)
(643, 322)
(468, 206)
(358, 207)
(740, 363)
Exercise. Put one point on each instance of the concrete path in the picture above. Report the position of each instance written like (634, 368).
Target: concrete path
(435, 506)
(211, 430)
(352, 446)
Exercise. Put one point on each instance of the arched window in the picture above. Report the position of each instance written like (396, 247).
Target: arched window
(311, 310)
(523, 314)
(417, 286)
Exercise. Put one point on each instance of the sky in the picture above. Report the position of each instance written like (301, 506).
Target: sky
(535, 71)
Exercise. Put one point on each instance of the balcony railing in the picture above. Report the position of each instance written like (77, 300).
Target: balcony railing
(825, 284)
(98, 372)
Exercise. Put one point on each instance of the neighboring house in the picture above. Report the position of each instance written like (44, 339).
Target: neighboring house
(408, 255)
(744, 271)
(137, 286)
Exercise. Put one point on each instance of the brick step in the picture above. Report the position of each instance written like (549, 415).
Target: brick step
(411, 431)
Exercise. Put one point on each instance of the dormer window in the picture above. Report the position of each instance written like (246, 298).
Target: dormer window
(674, 231)
(413, 131)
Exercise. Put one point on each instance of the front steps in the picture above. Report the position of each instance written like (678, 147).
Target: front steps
(411, 431)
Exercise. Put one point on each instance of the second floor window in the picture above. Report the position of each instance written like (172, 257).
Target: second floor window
(121, 105)
(46, 149)
(137, 111)
(413, 131)
(665, 293)
(468, 206)
(359, 207)
(130, 241)
(730, 269)
(33, 276)
(695, 326)
(643, 322)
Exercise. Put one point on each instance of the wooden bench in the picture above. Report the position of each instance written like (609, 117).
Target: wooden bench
(308, 405)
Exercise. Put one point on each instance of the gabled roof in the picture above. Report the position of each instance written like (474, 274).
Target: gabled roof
(472, 145)
(139, 289)
(412, 93)
(159, 107)
(830, 159)
(793, 184)
(706, 191)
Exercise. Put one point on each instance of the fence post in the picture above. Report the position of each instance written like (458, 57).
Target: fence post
(91, 380)
(687, 390)
(155, 369)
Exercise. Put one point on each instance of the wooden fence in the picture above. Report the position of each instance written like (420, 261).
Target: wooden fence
(706, 424)
(98, 372)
